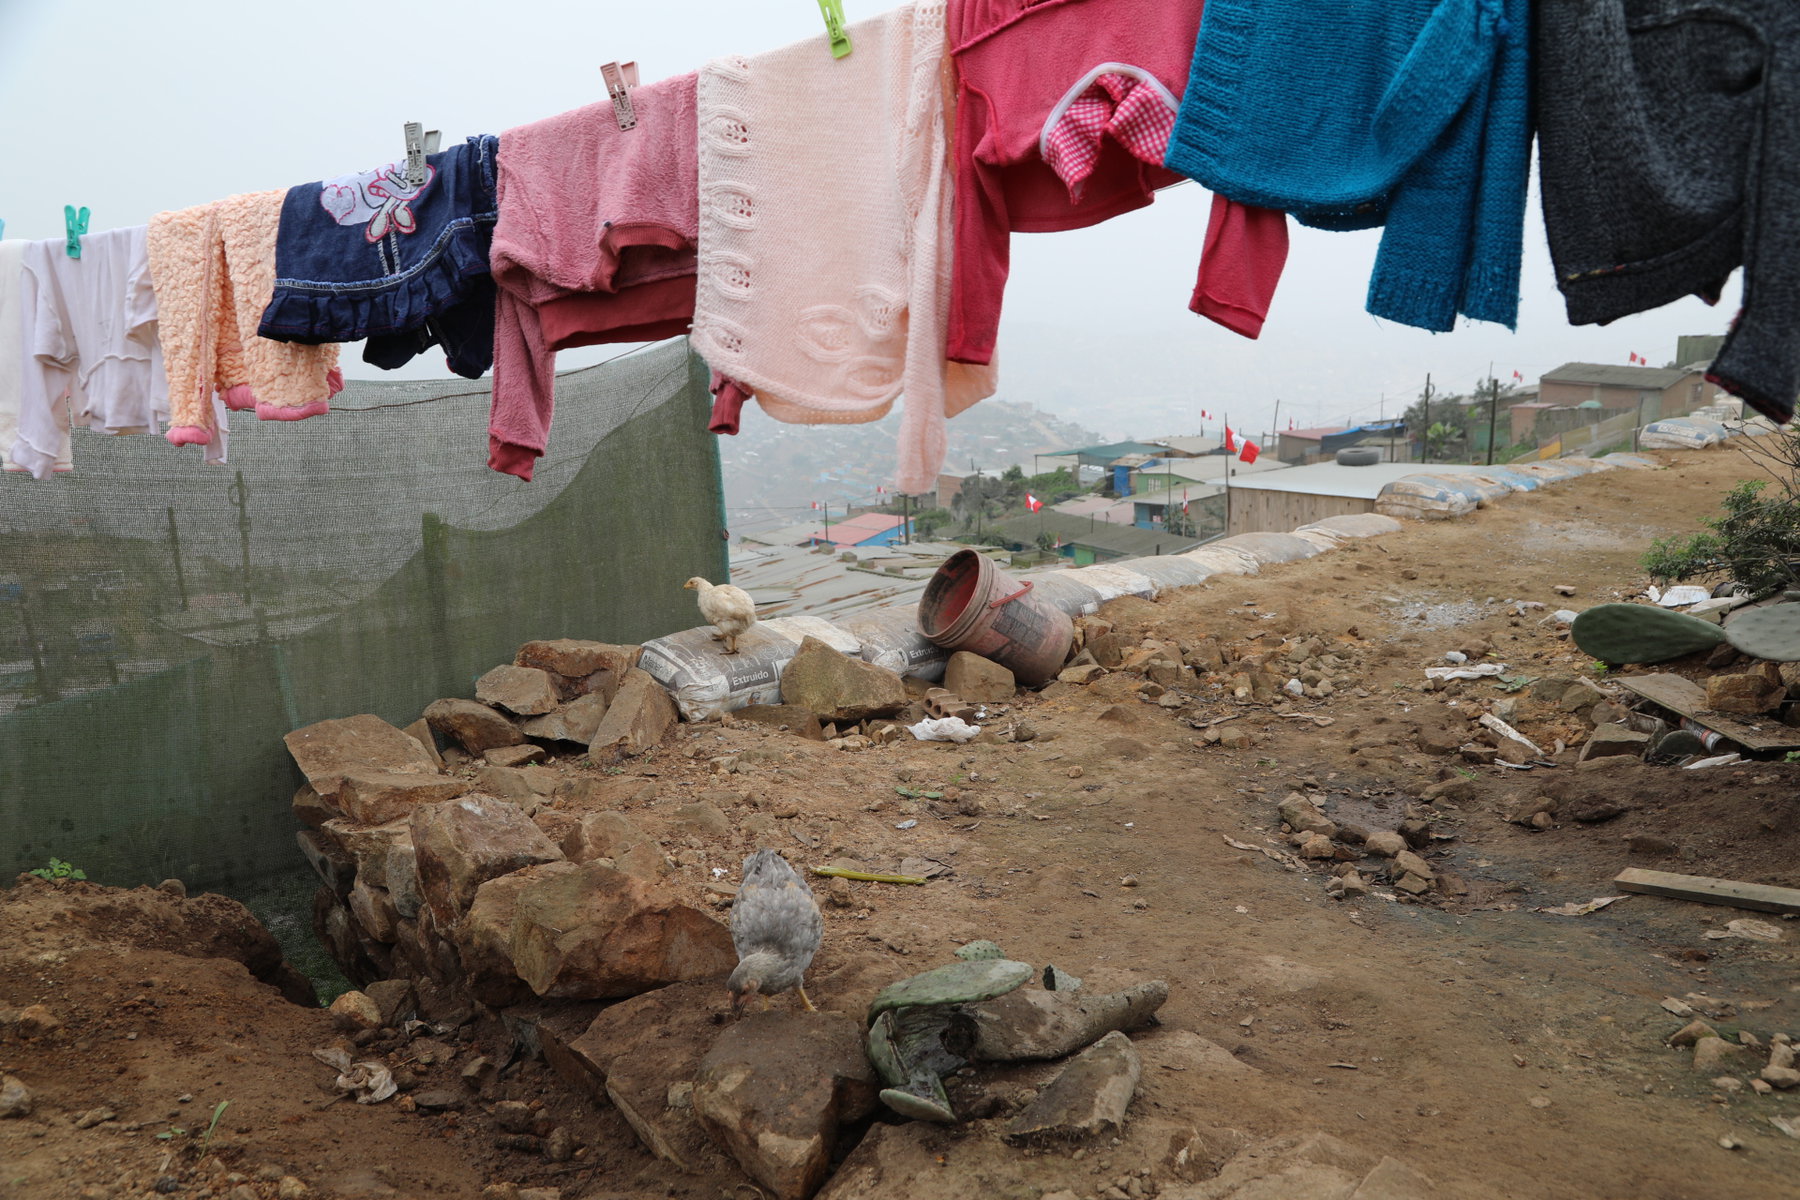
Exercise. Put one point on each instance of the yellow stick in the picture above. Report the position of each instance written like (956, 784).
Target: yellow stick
(865, 876)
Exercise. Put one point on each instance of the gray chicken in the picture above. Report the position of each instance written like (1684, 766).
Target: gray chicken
(776, 927)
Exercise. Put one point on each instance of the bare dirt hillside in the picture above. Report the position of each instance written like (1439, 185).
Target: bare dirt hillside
(1492, 1046)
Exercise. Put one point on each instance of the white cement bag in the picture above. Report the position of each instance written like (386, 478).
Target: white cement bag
(1353, 525)
(1066, 591)
(1424, 498)
(1115, 579)
(706, 681)
(1268, 547)
(890, 638)
(1171, 571)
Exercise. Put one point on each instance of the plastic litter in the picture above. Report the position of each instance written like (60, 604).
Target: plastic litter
(944, 729)
(370, 1081)
(1675, 597)
(1482, 671)
(1718, 760)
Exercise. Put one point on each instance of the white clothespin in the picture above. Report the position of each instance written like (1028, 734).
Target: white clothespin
(419, 143)
(620, 79)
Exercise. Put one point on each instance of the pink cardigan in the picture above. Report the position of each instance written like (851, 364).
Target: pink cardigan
(1016, 60)
(595, 243)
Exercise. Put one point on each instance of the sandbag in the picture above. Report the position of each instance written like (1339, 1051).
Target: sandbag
(1355, 525)
(1066, 591)
(1424, 498)
(1267, 548)
(1681, 433)
(890, 638)
(1171, 571)
(706, 681)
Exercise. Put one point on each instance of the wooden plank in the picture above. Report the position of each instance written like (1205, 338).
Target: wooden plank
(1703, 890)
(1689, 699)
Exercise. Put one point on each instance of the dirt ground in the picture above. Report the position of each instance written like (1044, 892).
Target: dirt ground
(1501, 1050)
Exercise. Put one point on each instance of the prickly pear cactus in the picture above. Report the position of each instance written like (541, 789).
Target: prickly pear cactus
(958, 983)
(1638, 633)
(977, 951)
(1772, 632)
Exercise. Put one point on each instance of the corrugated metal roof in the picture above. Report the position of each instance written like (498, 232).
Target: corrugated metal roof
(1313, 434)
(1334, 479)
(1653, 379)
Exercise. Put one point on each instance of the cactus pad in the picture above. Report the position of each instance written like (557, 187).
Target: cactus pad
(1771, 632)
(977, 951)
(958, 983)
(1638, 633)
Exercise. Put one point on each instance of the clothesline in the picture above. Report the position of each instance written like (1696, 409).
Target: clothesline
(832, 230)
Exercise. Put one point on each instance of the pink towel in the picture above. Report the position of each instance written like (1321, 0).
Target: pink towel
(595, 243)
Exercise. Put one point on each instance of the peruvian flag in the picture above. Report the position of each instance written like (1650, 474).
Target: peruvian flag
(1230, 445)
(1204, 415)
(1519, 377)
(815, 506)
(879, 490)
(1635, 357)
(1032, 503)
(1250, 451)
(1184, 500)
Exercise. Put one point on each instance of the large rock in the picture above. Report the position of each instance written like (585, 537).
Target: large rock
(1087, 1100)
(1608, 741)
(637, 1049)
(639, 717)
(506, 783)
(476, 727)
(15, 1098)
(420, 732)
(774, 1089)
(374, 910)
(329, 860)
(324, 751)
(1749, 693)
(595, 933)
(484, 938)
(979, 680)
(522, 691)
(576, 721)
(370, 797)
(836, 687)
(574, 659)
(463, 843)
(601, 835)
(369, 845)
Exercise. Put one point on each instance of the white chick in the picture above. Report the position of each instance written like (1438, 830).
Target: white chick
(728, 609)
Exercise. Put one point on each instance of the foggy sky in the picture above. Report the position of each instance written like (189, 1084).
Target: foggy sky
(131, 108)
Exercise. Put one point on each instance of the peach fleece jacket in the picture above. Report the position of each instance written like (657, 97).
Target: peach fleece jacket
(213, 267)
(825, 232)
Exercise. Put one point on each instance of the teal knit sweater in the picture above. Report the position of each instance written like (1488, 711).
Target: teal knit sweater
(1415, 114)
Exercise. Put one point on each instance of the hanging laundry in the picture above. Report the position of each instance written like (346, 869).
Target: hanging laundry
(826, 233)
(12, 355)
(90, 353)
(595, 244)
(1063, 114)
(370, 256)
(1415, 114)
(214, 271)
(1670, 151)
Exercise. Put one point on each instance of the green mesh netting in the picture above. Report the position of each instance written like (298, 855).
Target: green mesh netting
(163, 623)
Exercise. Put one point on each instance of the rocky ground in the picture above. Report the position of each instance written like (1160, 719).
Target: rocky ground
(1432, 1025)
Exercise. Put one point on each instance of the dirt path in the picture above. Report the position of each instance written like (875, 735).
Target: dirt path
(1500, 1050)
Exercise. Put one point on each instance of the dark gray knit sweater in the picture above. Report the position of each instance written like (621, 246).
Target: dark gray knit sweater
(1669, 144)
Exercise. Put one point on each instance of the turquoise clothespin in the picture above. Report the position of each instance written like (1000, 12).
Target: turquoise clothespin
(77, 224)
(834, 26)
(2, 229)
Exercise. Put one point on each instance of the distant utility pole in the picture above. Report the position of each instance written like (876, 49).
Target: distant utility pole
(906, 518)
(1277, 432)
(1493, 413)
(1425, 434)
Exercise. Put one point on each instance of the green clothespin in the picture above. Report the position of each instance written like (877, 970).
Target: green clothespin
(77, 224)
(834, 27)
